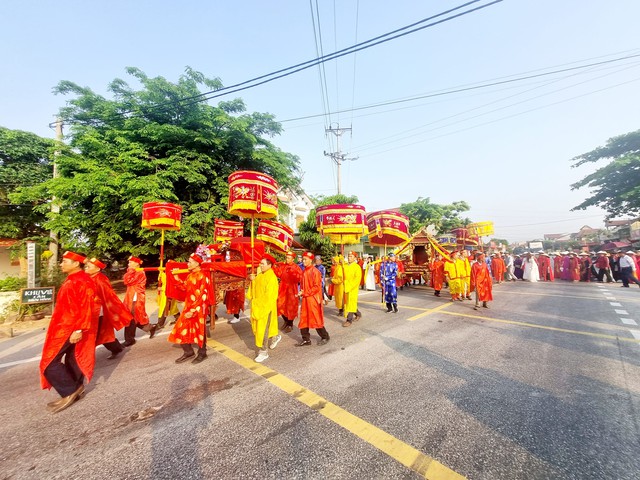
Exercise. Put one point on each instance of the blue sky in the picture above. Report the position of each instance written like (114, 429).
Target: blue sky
(505, 150)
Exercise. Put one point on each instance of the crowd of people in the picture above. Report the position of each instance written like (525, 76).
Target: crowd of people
(88, 311)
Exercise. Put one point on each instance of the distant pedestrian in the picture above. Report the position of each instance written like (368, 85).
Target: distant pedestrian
(628, 269)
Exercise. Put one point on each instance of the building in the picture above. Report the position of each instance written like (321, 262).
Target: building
(299, 206)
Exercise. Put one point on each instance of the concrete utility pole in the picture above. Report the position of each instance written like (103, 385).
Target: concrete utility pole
(55, 208)
(338, 156)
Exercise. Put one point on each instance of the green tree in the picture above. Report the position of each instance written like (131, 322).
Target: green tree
(158, 143)
(25, 159)
(615, 187)
(445, 217)
(309, 235)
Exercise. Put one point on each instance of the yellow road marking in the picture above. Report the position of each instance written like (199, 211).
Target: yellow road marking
(400, 451)
(544, 327)
(430, 311)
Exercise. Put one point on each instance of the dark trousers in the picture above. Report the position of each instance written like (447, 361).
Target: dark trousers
(113, 347)
(602, 272)
(351, 314)
(306, 336)
(65, 376)
(130, 330)
(202, 351)
(287, 322)
(627, 276)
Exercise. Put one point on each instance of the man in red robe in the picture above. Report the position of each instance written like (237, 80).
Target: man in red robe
(311, 311)
(190, 328)
(481, 281)
(544, 265)
(134, 299)
(400, 279)
(498, 267)
(574, 267)
(437, 274)
(112, 313)
(234, 301)
(71, 334)
(289, 274)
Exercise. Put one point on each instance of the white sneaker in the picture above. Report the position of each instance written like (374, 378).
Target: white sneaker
(262, 356)
(233, 320)
(275, 341)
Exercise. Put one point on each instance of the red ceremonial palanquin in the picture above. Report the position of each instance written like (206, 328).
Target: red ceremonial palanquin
(73, 311)
(400, 281)
(114, 314)
(198, 293)
(311, 313)
(136, 281)
(481, 281)
(289, 275)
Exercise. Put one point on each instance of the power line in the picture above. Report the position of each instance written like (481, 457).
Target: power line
(466, 89)
(269, 77)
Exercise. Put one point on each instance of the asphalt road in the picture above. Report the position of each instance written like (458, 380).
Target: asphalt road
(545, 384)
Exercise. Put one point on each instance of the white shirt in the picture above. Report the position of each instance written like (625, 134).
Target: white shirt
(627, 261)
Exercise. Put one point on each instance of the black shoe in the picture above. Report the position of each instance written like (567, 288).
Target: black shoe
(395, 308)
(323, 341)
(185, 357)
(389, 310)
(304, 343)
(152, 331)
(198, 359)
(128, 343)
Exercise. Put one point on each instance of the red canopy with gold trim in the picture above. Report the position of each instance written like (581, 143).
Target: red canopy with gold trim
(344, 224)
(161, 216)
(387, 227)
(225, 230)
(252, 195)
(276, 234)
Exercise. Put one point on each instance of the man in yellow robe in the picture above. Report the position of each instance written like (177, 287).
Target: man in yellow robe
(465, 272)
(337, 279)
(352, 277)
(455, 276)
(263, 294)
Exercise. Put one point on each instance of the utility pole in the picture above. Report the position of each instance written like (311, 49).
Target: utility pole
(338, 156)
(55, 208)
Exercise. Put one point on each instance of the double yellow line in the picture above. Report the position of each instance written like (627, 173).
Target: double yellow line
(400, 451)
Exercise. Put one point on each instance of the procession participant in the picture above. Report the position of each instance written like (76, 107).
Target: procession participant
(311, 310)
(289, 274)
(466, 274)
(530, 267)
(190, 328)
(614, 264)
(585, 267)
(628, 269)
(518, 271)
(602, 264)
(437, 274)
(337, 281)
(389, 273)
(453, 276)
(234, 301)
(557, 265)
(369, 276)
(510, 275)
(361, 264)
(71, 334)
(574, 267)
(497, 268)
(544, 266)
(112, 313)
(352, 274)
(134, 299)
(263, 295)
(323, 271)
(566, 266)
(481, 281)
(400, 278)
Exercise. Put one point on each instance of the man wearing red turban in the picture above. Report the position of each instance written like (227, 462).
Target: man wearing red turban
(289, 274)
(71, 334)
(311, 311)
(135, 300)
(112, 313)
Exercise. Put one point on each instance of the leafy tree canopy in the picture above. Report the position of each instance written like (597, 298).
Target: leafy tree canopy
(156, 143)
(309, 235)
(25, 159)
(615, 187)
(445, 217)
